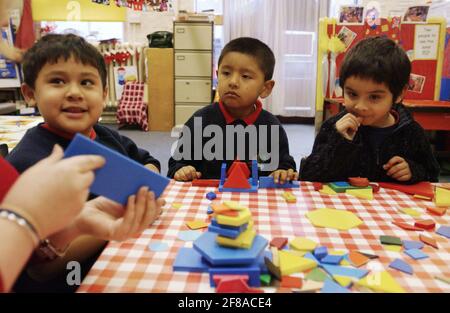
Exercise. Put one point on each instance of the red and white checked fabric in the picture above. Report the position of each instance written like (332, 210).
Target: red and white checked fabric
(132, 107)
(131, 267)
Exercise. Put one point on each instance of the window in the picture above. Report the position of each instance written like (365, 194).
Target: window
(91, 31)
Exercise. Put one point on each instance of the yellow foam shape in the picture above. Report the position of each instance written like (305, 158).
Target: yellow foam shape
(331, 218)
(326, 190)
(299, 252)
(243, 217)
(384, 28)
(244, 240)
(410, 212)
(177, 205)
(360, 193)
(310, 285)
(393, 248)
(421, 197)
(381, 281)
(302, 244)
(344, 281)
(337, 252)
(290, 263)
(197, 224)
(442, 197)
(233, 205)
(289, 197)
(344, 262)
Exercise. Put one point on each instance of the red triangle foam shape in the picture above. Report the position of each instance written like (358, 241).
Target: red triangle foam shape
(237, 179)
(422, 189)
(242, 166)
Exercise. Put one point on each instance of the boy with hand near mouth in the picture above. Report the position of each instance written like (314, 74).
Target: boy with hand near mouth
(375, 136)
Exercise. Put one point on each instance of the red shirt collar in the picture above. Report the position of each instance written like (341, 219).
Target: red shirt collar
(249, 120)
(66, 135)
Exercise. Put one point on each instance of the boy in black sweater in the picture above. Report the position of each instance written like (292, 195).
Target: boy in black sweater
(237, 122)
(375, 136)
(66, 78)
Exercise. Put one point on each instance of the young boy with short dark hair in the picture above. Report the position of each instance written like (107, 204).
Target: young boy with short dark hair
(66, 78)
(375, 136)
(237, 122)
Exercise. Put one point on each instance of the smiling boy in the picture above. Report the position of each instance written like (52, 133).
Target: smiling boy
(375, 136)
(65, 77)
(245, 73)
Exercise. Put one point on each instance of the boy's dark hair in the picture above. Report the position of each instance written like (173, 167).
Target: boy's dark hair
(50, 48)
(255, 48)
(379, 59)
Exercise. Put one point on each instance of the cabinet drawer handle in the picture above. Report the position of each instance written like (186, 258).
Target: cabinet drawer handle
(181, 58)
(181, 30)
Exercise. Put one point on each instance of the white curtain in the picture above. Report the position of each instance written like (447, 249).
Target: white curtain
(289, 27)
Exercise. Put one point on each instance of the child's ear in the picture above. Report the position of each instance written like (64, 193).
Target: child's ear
(267, 89)
(402, 95)
(105, 94)
(28, 94)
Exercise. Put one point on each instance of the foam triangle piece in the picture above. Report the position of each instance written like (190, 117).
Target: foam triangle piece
(290, 263)
(343, 280)
(345, 271)
(237, 179)
(242, 166)
(442, 197)
(326, 190)
(365, 194)
(332, 287)
(423, 188)
(402, 266)
(381, 281)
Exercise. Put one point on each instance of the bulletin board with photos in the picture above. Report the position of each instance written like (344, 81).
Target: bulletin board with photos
(422, 38)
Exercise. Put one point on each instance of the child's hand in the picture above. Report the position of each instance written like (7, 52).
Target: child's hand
(187, 173)
(348, 125)
(109, 220)
(398, 169)
(283, 176)
(152, 168)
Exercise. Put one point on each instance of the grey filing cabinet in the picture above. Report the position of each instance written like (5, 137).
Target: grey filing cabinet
(193, 59)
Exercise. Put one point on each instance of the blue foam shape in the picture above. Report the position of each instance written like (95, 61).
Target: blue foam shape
(189, 235)
(211, 195)
(344, 271)
(444, 231)
(310, 256)
(237, 228)
(267, 182)
(209, 211)
(332, 259)
(121, 176)
(189, 260)
(230, 233)
(416, 254)
(412, 244)
(254, 173)
(253, 271)
(217, 255)
(320, 252)
(342, 184)
(223, 174)
(158, 246)
(401, 266)
(330, 286)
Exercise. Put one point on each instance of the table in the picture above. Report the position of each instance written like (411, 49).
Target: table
(13, 128)
(131, 267)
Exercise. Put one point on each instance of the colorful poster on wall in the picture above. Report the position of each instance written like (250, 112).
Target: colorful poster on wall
(9, 72)
(123, 75)
(426, 40)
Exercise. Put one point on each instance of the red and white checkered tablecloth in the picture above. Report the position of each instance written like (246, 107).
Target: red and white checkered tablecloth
(131, 267)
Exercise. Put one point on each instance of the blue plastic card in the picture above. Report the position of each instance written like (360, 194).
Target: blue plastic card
(120, 177)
